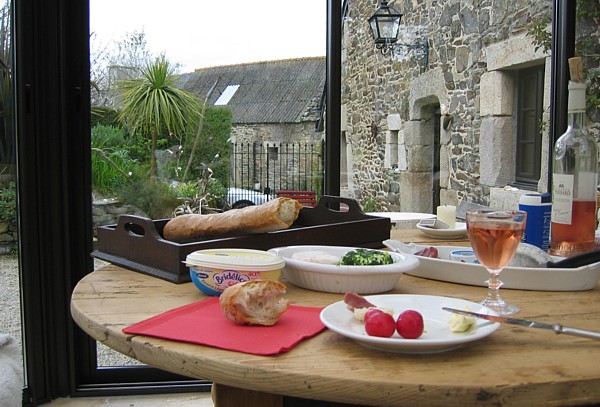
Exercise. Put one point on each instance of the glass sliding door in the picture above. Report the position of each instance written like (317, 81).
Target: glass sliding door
(54, 191)
(54, 114)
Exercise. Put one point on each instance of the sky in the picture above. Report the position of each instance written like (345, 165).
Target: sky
(205, 33)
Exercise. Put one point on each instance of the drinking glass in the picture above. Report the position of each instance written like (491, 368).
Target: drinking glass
(495, 236)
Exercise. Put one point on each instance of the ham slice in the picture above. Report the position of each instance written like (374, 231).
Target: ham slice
(354, 301)
(429, 252)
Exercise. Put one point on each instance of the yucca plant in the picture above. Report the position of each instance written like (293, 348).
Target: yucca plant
(153, 104)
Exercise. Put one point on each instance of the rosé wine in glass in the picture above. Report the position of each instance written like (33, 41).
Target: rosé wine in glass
(495, 236)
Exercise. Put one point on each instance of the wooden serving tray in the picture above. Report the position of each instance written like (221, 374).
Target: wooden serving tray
(137, 243)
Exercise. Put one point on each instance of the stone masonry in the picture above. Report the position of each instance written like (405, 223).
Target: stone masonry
(107, 212)
(475, 47)
(8, 238)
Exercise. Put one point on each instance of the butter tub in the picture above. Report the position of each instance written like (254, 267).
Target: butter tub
(213, 270)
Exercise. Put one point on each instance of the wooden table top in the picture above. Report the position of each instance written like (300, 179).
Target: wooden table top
(514, 365)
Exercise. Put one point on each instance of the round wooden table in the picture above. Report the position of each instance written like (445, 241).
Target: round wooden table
(513, 366)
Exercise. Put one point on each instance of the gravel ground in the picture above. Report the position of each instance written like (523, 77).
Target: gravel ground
(10, 311)
(10, 303)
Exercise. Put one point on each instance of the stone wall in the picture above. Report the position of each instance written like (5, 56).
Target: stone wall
(276, 132)
(473, 48)
(8, 238)
(107, 212)
(104, 212)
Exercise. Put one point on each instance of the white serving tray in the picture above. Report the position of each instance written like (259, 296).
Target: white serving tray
(458, 232)
(521, 278)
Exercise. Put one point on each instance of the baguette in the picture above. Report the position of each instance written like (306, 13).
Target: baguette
(254, 302)
(276, 214)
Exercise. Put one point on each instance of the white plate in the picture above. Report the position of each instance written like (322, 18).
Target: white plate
(521, 278)
(437, 336)
(456, 233)
(402, 216)
(341, 279)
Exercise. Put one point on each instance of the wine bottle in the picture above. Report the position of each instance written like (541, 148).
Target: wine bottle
(574, 185)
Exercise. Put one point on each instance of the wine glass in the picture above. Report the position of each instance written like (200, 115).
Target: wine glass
(495, 236)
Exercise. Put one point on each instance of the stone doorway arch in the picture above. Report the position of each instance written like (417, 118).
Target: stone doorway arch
(426, 180)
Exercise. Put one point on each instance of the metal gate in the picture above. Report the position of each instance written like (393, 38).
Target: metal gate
(271, 167)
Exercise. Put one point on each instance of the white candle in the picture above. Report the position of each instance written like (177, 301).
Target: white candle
(447, 214)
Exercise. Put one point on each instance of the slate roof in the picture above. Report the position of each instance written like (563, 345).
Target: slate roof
(284, 91)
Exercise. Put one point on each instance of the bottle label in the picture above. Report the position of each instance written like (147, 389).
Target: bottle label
(562, 198)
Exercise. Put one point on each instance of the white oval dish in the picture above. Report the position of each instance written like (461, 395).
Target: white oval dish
(341, 279)
(437, 336)
(458, 232)
(520, 278)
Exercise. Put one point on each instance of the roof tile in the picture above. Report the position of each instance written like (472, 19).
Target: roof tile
(270, 92)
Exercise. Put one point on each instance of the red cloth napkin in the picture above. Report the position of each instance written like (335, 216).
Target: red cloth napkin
(203, 323)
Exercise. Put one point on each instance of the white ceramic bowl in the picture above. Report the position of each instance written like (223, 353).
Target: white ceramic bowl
(341, 279)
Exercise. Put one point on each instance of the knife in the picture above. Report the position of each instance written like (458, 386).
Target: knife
(557, 328)
(578, 260)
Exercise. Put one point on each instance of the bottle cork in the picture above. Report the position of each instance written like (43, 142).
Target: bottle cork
(576, 69)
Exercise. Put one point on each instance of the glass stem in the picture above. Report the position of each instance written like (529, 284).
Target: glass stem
(493, 299)
(494, 285)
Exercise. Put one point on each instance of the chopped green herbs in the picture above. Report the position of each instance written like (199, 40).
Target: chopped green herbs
(366, 257)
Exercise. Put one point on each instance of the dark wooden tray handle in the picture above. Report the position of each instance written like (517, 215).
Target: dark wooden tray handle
(329, 207)
(137, 227)
(332, 203)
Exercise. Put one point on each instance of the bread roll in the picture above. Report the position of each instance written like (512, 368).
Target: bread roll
(255, 302)
(276, 214)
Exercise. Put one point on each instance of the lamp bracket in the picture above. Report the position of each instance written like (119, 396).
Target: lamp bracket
(419, 49)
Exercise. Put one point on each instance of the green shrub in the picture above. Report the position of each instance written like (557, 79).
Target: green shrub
(104, 115)
(111, 163)
(139, 147)
(212, 196)
(157, 199)
(216, 194)
(370, 204)
(8, 204)
(105, 176)
(187, 190)
(108, 136)
(213, 148)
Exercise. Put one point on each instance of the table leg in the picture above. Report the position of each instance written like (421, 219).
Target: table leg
(227, 396)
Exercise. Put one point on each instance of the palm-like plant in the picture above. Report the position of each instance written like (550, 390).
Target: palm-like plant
(152, 104)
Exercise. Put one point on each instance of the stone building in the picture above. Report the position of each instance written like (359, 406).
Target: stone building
(271, 101)
(457, 127)
(277, 128)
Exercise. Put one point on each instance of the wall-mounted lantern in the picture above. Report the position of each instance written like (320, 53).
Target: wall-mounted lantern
(385, 25)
